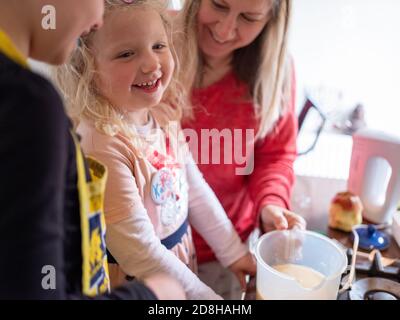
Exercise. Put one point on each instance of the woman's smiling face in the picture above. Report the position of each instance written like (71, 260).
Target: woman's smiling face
(227, 25)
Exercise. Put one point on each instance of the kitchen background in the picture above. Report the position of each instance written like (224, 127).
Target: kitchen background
(346, 53)
(349, 48)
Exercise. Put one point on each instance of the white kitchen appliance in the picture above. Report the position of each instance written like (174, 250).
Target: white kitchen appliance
(375, 174)
(396, 227)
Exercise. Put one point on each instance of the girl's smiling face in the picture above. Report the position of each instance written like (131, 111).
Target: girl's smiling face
(133, 60)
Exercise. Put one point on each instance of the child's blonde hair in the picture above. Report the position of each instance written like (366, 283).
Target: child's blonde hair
(264, 64)
(76, 78)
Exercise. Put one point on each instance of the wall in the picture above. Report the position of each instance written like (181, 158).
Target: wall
(352, 46)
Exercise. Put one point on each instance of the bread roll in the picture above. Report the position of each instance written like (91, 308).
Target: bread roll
(345, 211)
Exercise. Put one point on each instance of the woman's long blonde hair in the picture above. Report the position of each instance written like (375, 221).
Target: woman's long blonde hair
(264, 65)
(76, 80)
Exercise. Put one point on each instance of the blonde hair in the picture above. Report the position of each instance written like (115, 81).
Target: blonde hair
(264, 65)
(76, 81)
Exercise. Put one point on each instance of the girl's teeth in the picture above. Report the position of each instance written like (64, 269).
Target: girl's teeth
(147, 84)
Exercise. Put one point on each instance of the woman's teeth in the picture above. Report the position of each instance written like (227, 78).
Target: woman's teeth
(217, 40)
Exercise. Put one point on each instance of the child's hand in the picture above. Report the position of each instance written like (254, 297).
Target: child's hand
(242, 267)
(277, 218)
(165, 287)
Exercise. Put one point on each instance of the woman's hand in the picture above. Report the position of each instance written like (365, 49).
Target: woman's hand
(242, 267)
(277, 218)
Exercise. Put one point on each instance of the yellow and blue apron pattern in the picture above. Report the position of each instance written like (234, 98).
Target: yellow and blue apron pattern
(95, 277)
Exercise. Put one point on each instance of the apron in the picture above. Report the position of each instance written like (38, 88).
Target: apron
(95, 277)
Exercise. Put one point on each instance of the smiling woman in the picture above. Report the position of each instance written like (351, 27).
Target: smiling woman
(243, 21)
(249, 37)
(242, 77)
